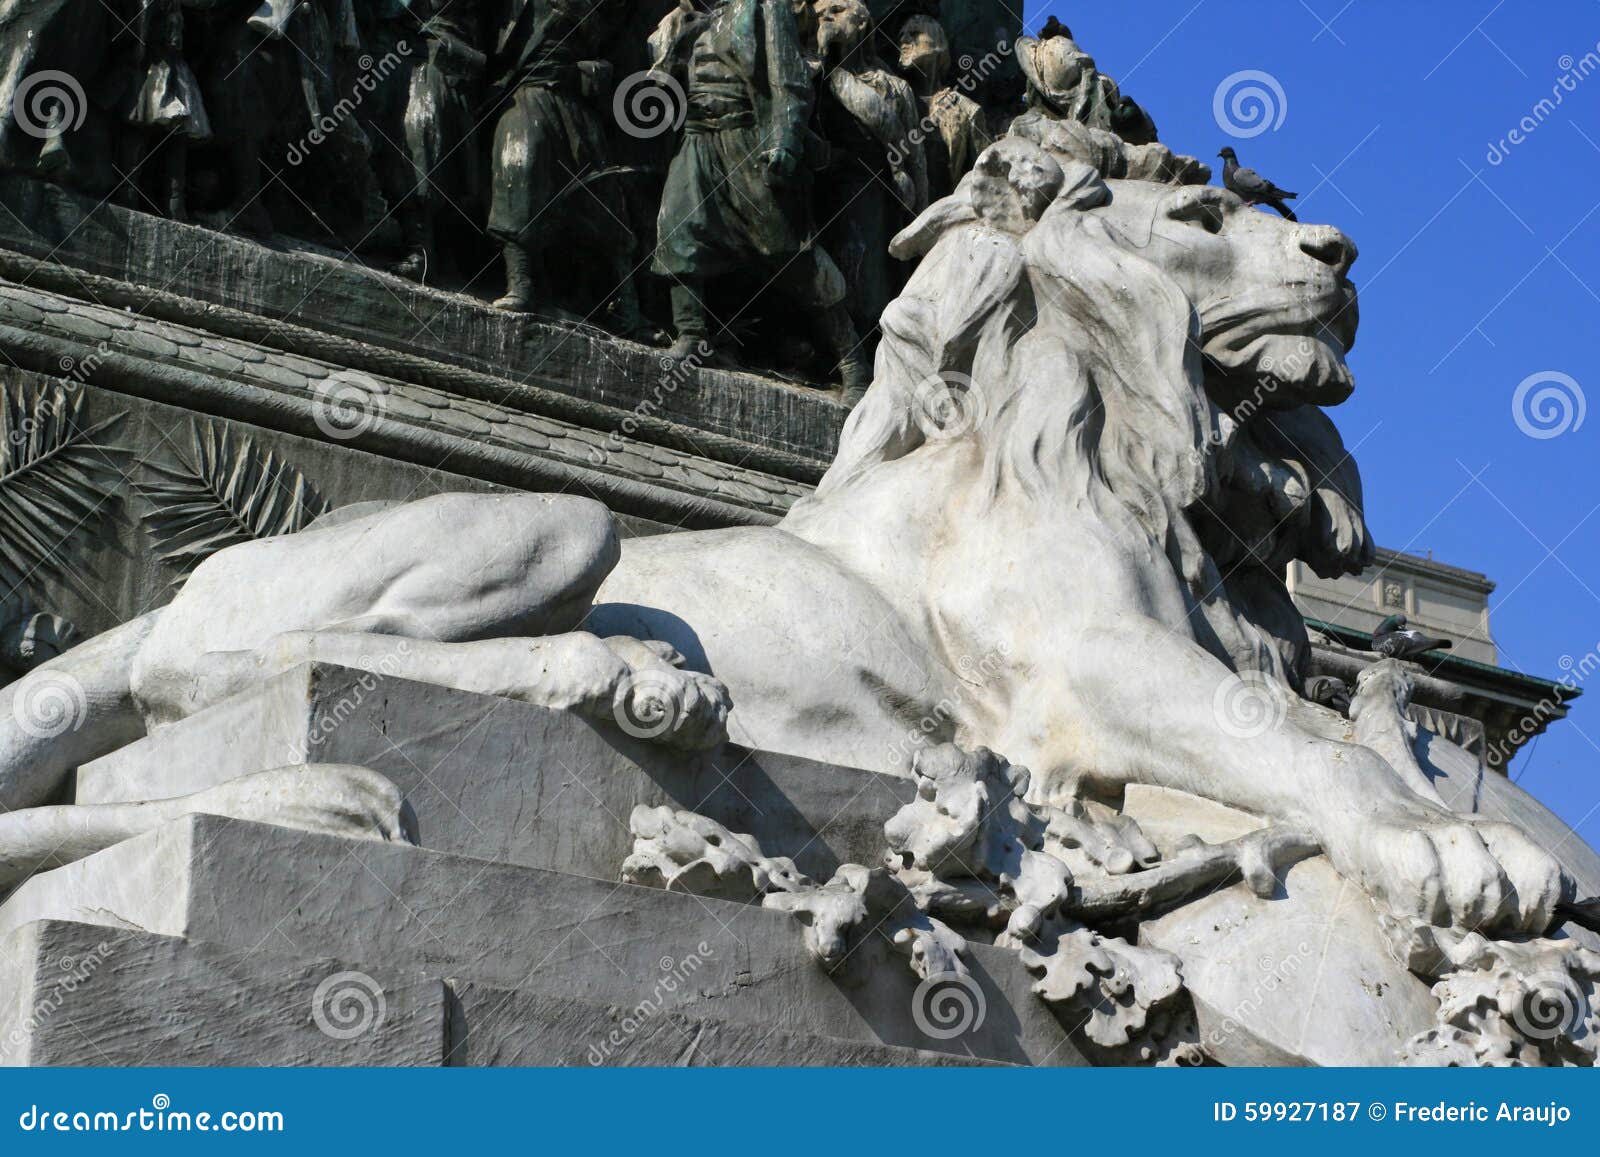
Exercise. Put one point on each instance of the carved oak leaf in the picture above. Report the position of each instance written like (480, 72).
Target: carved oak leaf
(829, 912)
(1040, 883)
(933, 947)
(971, 822)
(1118, 986)
(1503, 1002)
(968, 819)
(680, 851)
(871, 898)
(1449, 1047)
(56, 481)
(228, 491)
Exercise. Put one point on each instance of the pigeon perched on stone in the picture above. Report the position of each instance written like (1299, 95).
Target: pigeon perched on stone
(1396, 640)
(1252, 186)
(1130, 122)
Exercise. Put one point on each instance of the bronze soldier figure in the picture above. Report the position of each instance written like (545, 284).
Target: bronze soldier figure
(156, 97)
(955, 128)
(423, 147)
(737, 193)
(552, 178)
(877, 179)
(234, 69)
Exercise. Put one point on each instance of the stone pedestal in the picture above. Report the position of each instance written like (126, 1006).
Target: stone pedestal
(247, 887)
(89, 994)
(504, 938)
(501, 780)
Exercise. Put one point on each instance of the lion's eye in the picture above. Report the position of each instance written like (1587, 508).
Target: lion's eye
(1202, 211)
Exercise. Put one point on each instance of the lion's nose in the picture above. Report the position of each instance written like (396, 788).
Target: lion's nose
(1328, 246)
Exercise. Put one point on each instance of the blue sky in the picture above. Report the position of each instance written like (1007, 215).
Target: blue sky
(1476, 273)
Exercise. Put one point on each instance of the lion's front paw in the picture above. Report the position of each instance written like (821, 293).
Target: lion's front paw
(1465, 873)
(682, 709)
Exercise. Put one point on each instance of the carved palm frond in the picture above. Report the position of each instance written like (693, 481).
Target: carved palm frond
(57, 482)
(228, 490)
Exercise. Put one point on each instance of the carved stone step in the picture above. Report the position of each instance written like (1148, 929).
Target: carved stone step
(501, 780)
(493, 1027)
(82, 994)
(248, 885)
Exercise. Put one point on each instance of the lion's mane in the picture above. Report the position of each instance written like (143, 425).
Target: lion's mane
(1074, 366)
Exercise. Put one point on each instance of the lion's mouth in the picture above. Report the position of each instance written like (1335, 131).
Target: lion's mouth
(1339, 315)
(1291, 337)
(1326, 309)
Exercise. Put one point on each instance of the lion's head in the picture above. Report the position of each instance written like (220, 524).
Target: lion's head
(1152, 348)
(1268, 306)
(1277, 311)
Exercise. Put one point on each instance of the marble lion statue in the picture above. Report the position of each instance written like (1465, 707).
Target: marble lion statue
(1055, 528)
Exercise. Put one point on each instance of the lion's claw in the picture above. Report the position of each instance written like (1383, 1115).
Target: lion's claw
(682, 709)
(1469, 874)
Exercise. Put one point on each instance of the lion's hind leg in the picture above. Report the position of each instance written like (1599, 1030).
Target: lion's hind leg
(75, 708)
